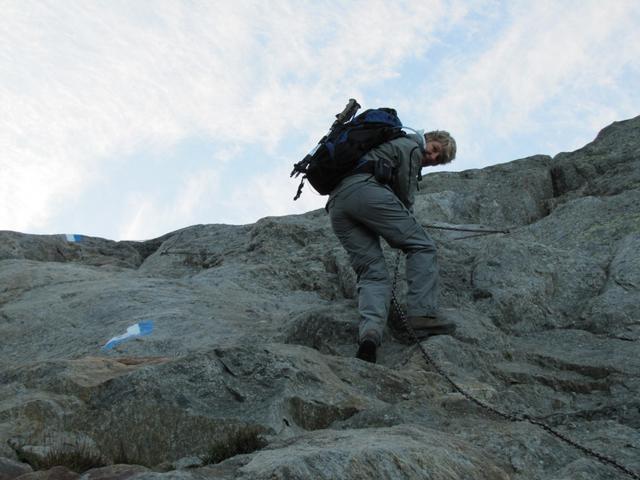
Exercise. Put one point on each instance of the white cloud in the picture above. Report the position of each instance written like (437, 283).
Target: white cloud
(86, 81)
(548, 63)
(141, 208)
(150, 216)
(270, 194)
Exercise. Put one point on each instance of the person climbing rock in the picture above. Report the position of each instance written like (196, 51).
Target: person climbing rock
(375, 201)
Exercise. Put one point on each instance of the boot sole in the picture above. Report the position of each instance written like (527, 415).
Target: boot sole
(367, 351)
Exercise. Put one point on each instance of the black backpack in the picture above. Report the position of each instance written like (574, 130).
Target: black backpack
(338, 153)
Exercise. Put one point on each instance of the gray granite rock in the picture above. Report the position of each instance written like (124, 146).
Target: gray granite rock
(54, 473)
(10, 469)
(114, 472)
(403, 451)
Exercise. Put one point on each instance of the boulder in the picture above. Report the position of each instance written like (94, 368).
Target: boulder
(10, 469)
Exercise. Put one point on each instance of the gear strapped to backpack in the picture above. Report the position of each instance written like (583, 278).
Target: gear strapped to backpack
(339, 152)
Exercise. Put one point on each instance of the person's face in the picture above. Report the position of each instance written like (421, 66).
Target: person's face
(432, 154)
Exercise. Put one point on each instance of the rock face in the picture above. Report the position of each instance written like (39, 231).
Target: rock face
(250, 370)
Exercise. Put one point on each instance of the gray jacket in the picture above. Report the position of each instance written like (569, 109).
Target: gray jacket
(405, 154)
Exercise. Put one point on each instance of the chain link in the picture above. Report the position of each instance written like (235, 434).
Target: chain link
(507, 416)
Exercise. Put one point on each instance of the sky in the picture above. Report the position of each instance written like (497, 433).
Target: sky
(128, 120)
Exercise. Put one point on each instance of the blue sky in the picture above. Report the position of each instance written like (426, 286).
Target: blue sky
(128, 120)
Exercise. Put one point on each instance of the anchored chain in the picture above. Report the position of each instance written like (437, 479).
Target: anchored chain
(507, 416)
(458, 229)
(476, 231)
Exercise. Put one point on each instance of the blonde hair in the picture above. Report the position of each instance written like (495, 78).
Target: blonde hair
(448, 143)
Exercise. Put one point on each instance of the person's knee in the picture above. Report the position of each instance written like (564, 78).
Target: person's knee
(420, 247)
(372, 269)
(418, 241)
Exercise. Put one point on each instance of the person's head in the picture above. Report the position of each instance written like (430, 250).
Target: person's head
(440, 148)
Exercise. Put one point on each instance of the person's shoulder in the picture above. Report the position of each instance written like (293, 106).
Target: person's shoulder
(398, 146)
(415, 138)
(407, 142)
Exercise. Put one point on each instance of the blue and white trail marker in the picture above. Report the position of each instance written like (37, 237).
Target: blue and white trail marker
(73, 237)
(140, 329)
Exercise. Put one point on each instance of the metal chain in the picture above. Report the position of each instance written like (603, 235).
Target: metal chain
(475, 230)
(508, 416)
(478, 232)
(188, 252)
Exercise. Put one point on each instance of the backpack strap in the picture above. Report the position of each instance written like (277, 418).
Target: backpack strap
(368, 166)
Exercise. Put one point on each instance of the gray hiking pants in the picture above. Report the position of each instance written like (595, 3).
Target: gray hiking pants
(361, 214)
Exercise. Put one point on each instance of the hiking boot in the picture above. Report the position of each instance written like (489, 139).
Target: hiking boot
(431, 325)
(367, 350)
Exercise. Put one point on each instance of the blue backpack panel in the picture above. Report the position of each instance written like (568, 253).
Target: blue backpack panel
(338, 154)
